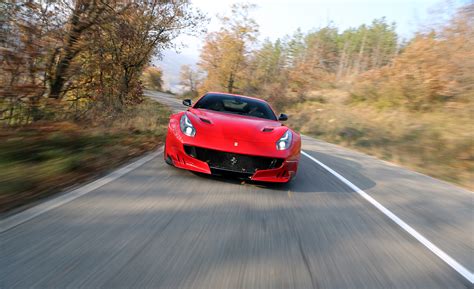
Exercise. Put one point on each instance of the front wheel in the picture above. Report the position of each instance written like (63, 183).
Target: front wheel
(167, 158)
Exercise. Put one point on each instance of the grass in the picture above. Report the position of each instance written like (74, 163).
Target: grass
(44, 158)
(437, 143)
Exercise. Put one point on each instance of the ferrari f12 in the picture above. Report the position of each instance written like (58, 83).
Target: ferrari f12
(229, 134)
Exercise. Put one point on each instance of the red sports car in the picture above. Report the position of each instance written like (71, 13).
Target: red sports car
(224, 134)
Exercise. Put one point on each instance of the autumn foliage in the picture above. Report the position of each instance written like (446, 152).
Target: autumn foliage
(433, 70)
(81, 59)
(408, 101)
(153, 78)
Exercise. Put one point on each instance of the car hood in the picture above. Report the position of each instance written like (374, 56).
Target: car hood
(235, 127)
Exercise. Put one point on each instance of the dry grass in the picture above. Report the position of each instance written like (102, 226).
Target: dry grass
(39, 160)
(438, 143)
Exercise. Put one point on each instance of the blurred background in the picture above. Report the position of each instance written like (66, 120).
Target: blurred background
(392, 79)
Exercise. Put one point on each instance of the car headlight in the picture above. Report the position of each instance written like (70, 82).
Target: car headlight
(186, 126)
(285, 141)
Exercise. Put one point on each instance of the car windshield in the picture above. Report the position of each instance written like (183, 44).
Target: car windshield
(236, 105)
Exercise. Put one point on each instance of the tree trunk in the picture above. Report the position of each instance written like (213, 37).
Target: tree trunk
(125, 87)
(59, 77)
(361, 54)
(376, 56)
(342, 61)
(230, 83)
(57, 82)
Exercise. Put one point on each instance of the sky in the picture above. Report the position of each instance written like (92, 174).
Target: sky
(277, 18)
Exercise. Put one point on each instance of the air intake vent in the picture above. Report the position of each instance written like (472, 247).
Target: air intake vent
(205, 120)
(267, 129)
(233, 162)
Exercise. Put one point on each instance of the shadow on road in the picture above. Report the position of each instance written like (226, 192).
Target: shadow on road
(311, 178)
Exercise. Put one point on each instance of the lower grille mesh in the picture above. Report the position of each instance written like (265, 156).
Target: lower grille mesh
(231, 161)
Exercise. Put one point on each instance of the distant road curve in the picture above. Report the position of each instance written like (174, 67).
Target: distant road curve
(154, 226)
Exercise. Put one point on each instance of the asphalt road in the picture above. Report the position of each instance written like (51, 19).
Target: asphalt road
(156, 226)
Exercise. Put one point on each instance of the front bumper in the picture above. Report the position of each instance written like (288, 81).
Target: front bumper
(255, 168)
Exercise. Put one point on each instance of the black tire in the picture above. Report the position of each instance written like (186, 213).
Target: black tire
(169, 161)
(167, 158)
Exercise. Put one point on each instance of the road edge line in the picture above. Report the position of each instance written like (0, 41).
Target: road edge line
(399, 166)
(424, 241)
(30, 213)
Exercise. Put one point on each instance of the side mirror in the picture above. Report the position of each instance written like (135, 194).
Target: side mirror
(187, 102)
(283, 117)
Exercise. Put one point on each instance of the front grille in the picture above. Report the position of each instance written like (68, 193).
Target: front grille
(232, 162)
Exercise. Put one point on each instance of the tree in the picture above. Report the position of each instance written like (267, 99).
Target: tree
(224, 56)
(84, 15)
(190, 80)
(66, 58)
(153, 78)
(143, 30)
(24, 56)
(433, 69)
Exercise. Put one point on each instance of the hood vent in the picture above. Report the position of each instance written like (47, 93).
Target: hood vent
(267, 129)
(205, 120)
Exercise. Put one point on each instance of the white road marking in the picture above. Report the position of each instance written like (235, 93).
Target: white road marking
(37, 210)
(432, 247)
